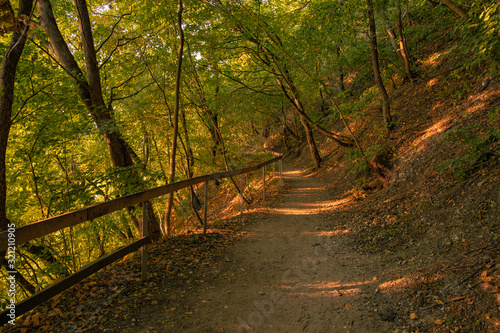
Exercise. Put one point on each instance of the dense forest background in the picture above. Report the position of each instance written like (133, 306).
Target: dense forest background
(100, 99)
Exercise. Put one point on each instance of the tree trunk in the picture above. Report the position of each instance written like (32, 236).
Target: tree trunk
(305, 123)
(341, 74)
(171, 178)
(7, 85)
(392, 35)
(386, 109)
(402, 45)
(454, 7)
(90, 90)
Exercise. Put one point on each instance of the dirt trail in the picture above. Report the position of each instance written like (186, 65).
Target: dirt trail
(290, 274)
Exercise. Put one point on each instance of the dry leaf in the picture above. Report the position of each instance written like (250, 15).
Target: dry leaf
(439, 321)
(25, 323)
(36, 319)
(413, 316)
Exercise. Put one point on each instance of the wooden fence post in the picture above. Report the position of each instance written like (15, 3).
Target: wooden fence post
(241, 195)
(205, 203)
(281, 171)
(264, 183)
(144, 233)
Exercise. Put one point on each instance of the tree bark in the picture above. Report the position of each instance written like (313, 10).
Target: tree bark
(402, 45)
(341, 74)
(304, 121)
(454, 7)
(7, 85)
(171, 178)
(386, 108)
(90, 90)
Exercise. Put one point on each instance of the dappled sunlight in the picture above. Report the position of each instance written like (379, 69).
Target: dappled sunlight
(405, 282)
(435, 59)
(307, 190)
(396, 285)
(293, 173)
(438, 127)
(330, 293)
(432, 82)
(312, 208)
(336, 284)
(327, 288)
(481, 101)
(329, 233)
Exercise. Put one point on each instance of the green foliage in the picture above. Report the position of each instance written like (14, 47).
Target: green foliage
(359, 164)
(479, 43)
(477, 144)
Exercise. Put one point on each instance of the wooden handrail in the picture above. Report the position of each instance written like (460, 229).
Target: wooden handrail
(44, 227)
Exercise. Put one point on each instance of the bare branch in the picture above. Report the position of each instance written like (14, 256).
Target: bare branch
(112, 31)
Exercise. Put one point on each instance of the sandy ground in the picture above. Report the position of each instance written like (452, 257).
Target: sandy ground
(289, 274)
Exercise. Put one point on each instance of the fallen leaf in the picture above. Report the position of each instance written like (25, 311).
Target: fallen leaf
(25, 323)
(413, 316)
(36, 319)
(439, 321)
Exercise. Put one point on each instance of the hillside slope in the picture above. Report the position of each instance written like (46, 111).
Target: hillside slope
(436, 222)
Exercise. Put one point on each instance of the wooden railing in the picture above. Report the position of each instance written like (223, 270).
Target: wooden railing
(44, 227)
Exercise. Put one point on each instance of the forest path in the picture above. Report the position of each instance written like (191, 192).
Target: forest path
(291, 273)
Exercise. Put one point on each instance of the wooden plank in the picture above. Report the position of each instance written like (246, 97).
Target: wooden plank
(49, 292)
(53, 224)
(281, 172)
(241, 195)
(144, 233)
(205, 207)
(264, 184)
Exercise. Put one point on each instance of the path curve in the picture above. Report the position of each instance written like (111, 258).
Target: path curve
(291, 273)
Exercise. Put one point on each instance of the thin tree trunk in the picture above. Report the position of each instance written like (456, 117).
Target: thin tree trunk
(171, 178)
(392, 35)
(341, 74)
(454, 7)
(402, 45)
(386, 109)
(304, 121)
